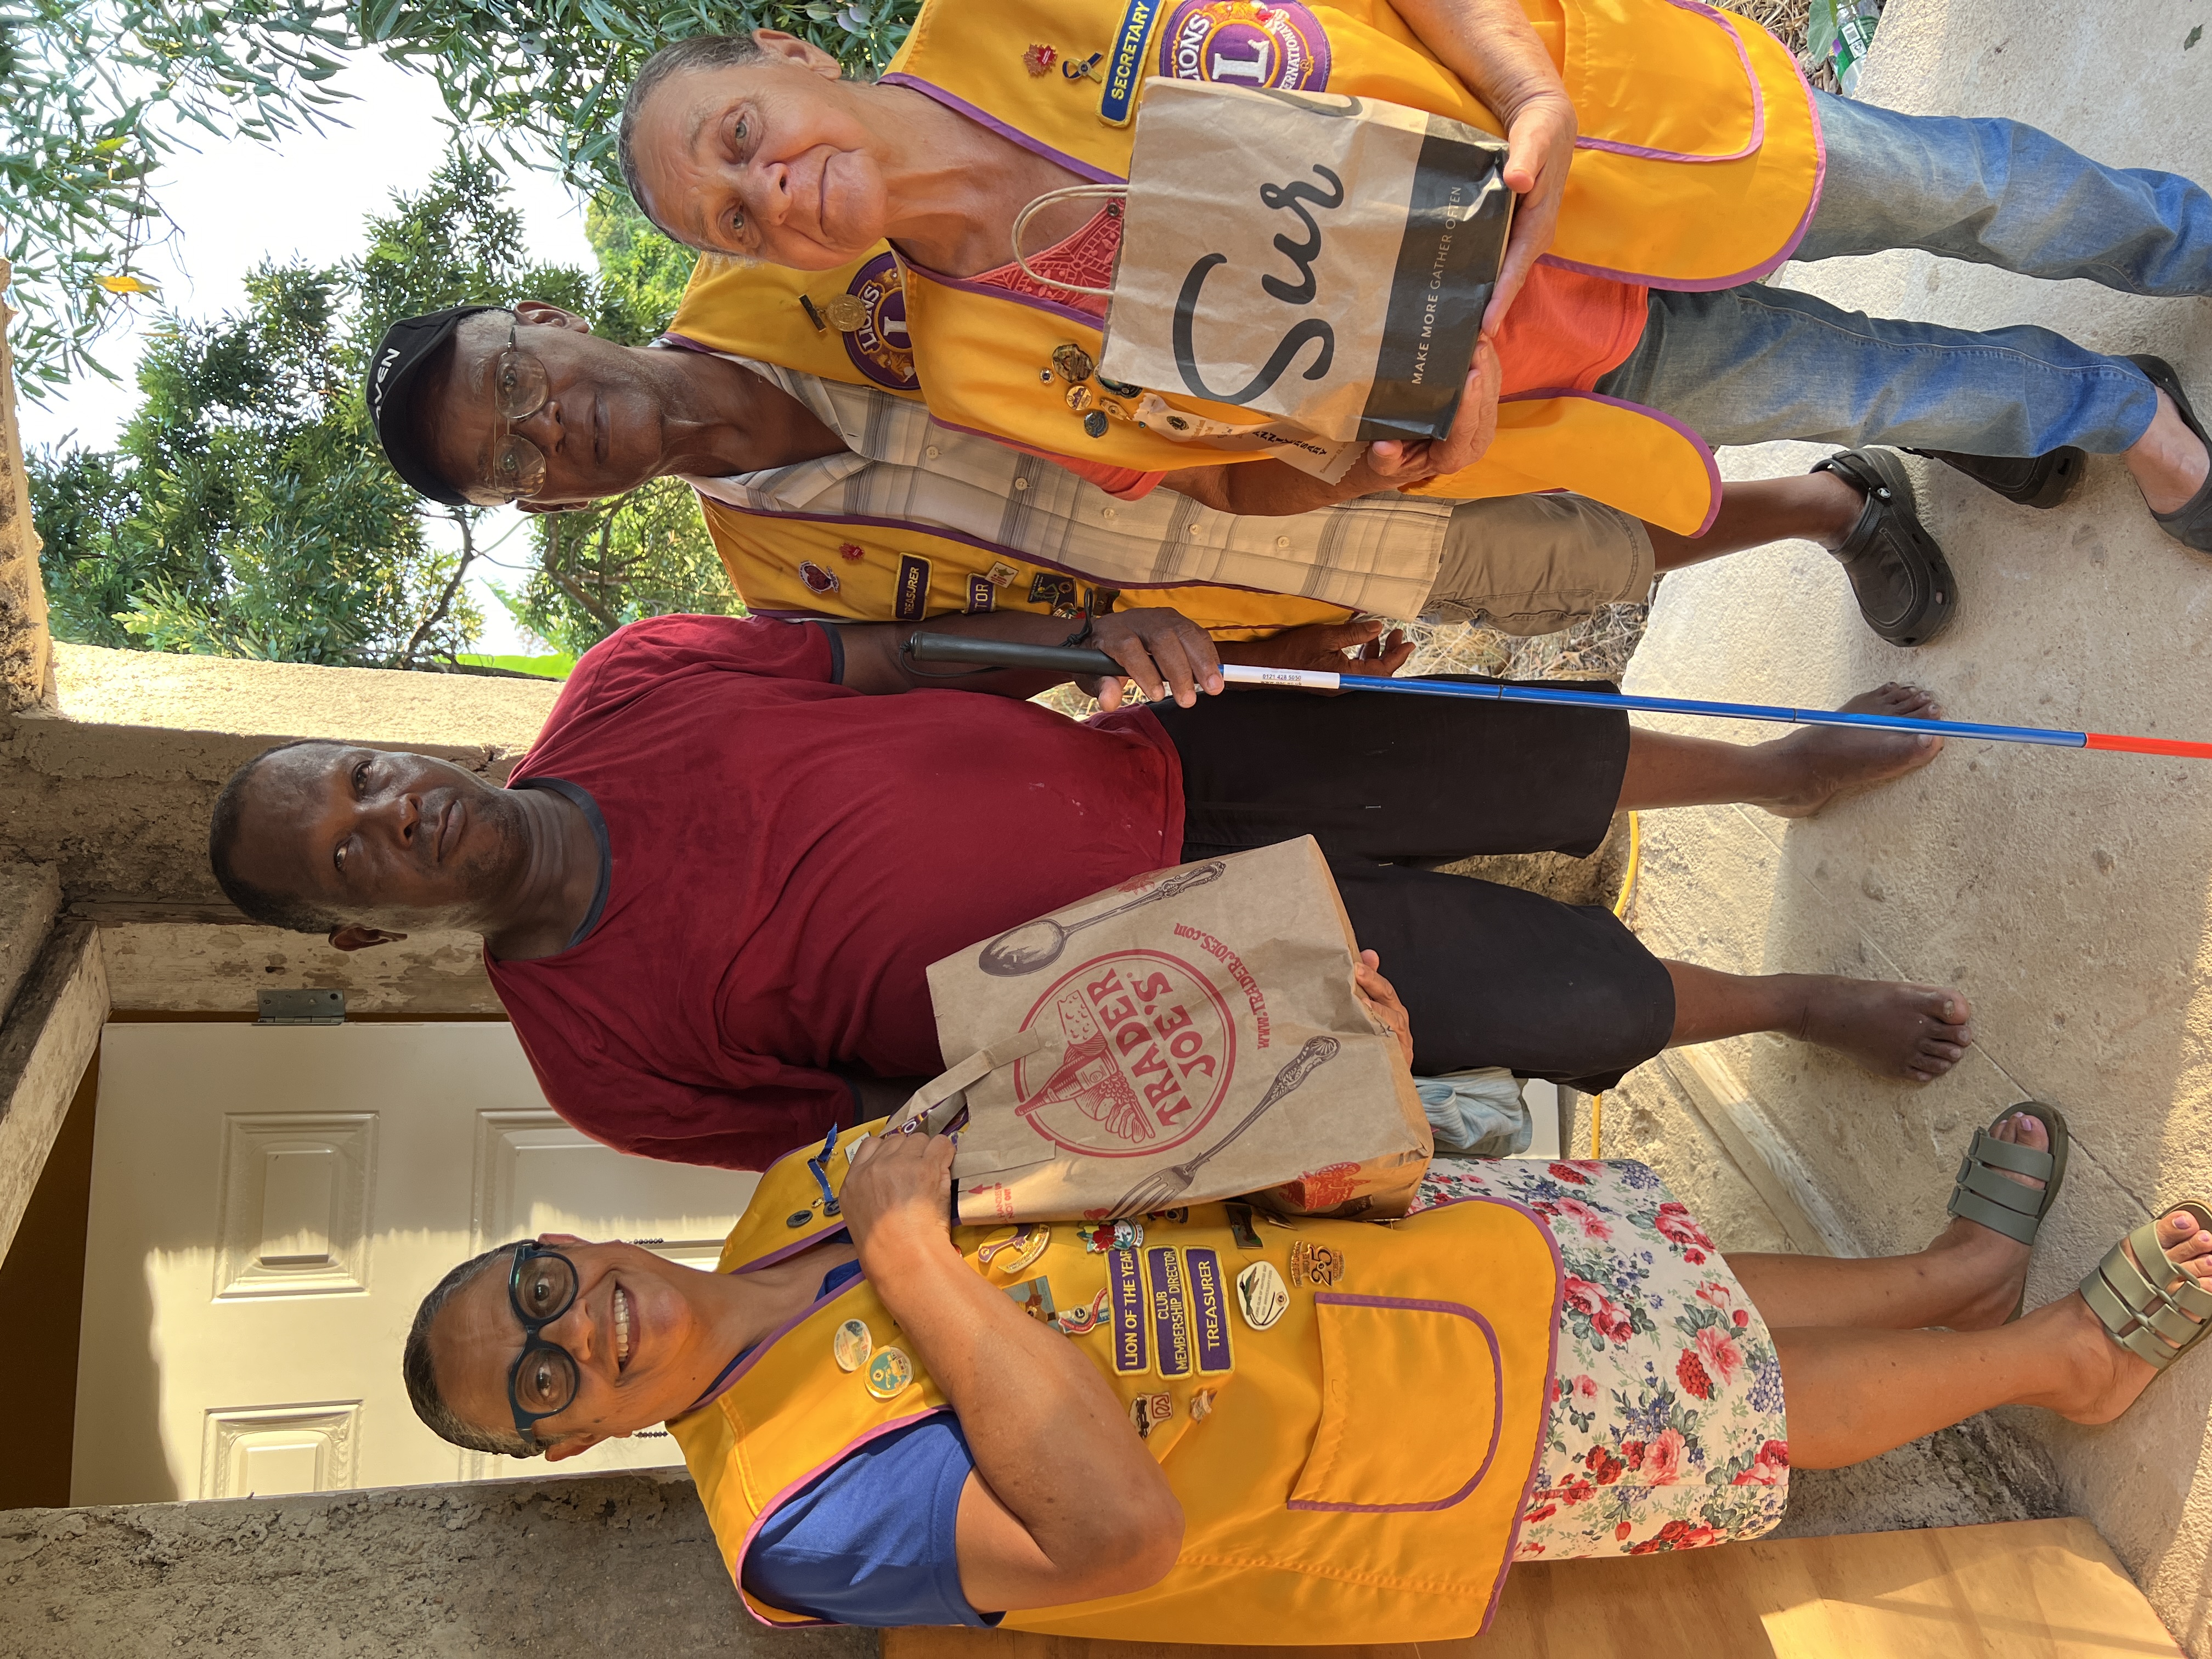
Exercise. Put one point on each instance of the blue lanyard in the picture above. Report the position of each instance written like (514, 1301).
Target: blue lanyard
(818, 1166)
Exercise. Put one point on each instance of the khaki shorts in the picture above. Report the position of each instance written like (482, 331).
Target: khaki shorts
(1536, 564)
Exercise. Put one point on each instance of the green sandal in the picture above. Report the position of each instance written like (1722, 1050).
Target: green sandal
(1985, 1191)
(2156, 1323)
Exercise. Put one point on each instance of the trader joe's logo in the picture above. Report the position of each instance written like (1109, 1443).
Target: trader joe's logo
(1150, 1047)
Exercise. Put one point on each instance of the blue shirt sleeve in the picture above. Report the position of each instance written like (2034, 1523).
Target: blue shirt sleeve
(873, 1540)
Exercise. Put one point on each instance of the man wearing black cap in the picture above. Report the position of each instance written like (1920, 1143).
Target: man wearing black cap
(843, 500)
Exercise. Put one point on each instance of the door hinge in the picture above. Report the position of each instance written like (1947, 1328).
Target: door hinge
(310, 1006)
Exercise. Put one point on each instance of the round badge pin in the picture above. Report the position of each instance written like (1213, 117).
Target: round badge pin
(851, 1346)
(846, 313)
(1261, 1297)
(1079, 398)
(888, 1373)
(1073, 363)
(798, 1217)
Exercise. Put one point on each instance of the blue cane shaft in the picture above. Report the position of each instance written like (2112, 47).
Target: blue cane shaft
(954, 648)
(1741, 711)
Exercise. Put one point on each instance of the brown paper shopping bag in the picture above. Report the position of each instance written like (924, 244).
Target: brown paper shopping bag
(1191, 1035)
(1321, 258)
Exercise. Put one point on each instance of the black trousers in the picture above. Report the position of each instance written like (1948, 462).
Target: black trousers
(1391, 784)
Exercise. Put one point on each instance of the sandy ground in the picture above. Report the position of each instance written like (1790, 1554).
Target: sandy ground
(2064, 893)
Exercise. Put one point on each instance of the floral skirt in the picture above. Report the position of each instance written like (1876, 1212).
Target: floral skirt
(1666, 1430)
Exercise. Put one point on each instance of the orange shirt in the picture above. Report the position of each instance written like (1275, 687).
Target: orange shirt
(1566, 330)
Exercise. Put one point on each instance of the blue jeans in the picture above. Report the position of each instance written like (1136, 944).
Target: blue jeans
(1749, 364)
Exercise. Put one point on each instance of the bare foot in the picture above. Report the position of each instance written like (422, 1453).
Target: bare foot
(2107, 1377)
(1821, 760)
(2003, 1260)
(1915, 1032)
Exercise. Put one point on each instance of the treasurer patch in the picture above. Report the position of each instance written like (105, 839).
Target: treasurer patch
(1238, 43)
(910, 598)
(1209, 1312)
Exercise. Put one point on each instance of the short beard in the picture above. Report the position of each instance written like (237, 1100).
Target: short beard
(491, 870)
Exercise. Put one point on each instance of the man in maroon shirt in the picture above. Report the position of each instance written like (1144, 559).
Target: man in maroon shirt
(709, 894)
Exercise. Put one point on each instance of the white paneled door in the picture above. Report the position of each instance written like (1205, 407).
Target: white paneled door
(269, 1205)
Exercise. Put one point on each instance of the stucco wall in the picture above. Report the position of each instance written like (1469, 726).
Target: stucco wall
(48, 1038)
(2064, 893)
(113, 783)
(30, 894)
(209, 967)
(598, 1564)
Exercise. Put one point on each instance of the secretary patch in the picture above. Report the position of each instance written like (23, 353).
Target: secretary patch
(1123, 70)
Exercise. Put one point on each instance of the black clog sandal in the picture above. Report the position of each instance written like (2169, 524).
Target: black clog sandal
(2036, 481)
(1898, 575)
(2190, 524)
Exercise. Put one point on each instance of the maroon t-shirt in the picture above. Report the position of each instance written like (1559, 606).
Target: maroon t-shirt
(788, 858)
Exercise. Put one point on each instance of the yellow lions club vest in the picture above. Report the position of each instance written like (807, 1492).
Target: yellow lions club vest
(894, 572)
(1698, 167)
(910, 572)
(1350, 1412)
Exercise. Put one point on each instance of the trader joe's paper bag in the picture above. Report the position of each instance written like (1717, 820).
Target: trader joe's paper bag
(1308, 256)
(1190, 1034)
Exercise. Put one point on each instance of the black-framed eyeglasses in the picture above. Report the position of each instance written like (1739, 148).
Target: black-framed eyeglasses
(542, 1383)
(520, 388)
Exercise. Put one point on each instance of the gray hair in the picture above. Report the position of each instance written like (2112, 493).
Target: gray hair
(699, 52)
(414, 1365)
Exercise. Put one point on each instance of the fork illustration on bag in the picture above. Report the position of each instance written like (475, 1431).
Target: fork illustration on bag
(1161, 1188)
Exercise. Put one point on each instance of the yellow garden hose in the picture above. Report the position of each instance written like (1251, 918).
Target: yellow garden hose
(1620, 904)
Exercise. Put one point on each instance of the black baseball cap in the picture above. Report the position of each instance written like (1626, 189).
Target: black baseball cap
(400, 355)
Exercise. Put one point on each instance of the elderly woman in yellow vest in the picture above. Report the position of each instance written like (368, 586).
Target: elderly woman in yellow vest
(1704, 163)
(1211, 1426)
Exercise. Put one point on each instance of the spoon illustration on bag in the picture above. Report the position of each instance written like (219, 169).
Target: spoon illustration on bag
(1038, 944)
(1163, 1187)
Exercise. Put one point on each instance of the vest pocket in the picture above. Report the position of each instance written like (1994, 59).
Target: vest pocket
(1388, 1365)
(1663, 80)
